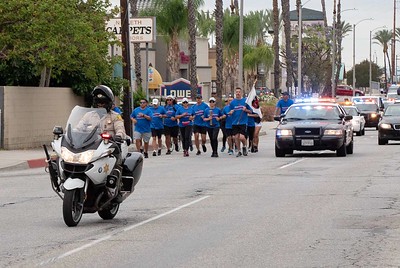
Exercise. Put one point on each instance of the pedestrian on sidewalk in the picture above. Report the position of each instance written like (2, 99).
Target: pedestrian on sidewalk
(212, 116)
(157, 126)
(171, 128)
(185, 115)
(141, 118)
(199, 125)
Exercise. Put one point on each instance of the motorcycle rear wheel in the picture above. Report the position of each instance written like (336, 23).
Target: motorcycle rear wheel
(73, 206)
(110, 212)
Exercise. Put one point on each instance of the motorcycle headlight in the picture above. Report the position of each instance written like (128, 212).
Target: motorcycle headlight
(373, 115)
(79, 158)
(284, 132)
(385, 126)
(333, 132)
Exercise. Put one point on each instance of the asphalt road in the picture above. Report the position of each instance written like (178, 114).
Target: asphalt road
(306, 210)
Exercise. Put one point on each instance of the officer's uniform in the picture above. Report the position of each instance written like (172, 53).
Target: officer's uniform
(113, 124)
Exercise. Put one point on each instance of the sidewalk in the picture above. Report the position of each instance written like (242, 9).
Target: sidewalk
(35, 158)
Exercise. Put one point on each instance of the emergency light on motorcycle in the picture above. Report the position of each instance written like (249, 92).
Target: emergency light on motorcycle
(105, 136)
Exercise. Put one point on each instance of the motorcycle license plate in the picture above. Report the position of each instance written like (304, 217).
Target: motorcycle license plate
(307, 142)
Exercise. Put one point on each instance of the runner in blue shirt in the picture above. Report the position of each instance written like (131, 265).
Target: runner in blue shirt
(212, 116)
(185, 116)
(199, 126)
(239, 110)
(284, 103)
(157, 126)
(228, 126)
(141, 118)
(171, 128)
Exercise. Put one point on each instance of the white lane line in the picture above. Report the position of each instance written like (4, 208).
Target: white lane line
(300, 160)
(294, 163)
(110, 235)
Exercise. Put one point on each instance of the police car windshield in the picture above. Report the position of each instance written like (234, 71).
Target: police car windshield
(312, 112)
(351, 111)
(392, 110)
(367, 106)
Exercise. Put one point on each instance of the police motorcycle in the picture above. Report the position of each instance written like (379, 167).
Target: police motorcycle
(89, 170)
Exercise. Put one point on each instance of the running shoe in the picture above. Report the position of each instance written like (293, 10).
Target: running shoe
(204, 147)
(154, 153)
(176, 147)
(198, 153)
(159, 152)
(223, 149)
(244, 151)
(239, 154)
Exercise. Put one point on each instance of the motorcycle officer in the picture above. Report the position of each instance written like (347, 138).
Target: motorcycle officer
(113, 122)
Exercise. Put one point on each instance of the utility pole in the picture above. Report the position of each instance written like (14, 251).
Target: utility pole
(393, 43)
(334, 51)
(126, 58)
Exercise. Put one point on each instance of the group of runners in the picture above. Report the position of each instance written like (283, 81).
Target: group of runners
(176, 121)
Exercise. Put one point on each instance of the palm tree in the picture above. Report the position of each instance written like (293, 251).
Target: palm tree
(262, 54)
(219, 45)
(275, 44)
(383, 37)
(288, 48)
(172, 20)
(343, 28)
(192, 48)
(136, 48)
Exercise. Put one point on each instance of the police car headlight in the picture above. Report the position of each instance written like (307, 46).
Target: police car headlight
(333, 132)
(385, 126)
(79, 158)
(373, 115)
(284, 132)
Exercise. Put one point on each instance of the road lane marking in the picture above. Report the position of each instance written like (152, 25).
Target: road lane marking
(110, 235)
(291, 164)
(298, 161)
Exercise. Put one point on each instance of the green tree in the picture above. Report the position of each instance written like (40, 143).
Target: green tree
(362, 74)
(57, 37)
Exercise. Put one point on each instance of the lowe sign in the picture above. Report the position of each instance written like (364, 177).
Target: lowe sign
(141, 30)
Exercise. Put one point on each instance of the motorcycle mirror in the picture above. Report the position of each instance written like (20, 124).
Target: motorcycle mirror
(58, 130)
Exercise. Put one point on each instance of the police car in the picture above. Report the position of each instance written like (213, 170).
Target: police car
(313, 126)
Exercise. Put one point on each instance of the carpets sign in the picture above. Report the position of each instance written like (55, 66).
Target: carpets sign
(141, 30)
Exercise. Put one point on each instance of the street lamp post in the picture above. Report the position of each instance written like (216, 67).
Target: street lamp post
(354, 54)
(370, 56)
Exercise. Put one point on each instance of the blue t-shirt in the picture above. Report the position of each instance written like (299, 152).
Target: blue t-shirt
(239, 117)
(283, 105)
(228, 119)
(216, 112)
(198, 110)
(142, 125)
(250, 121)
(170, 111)
(157, 119)
(184, 120)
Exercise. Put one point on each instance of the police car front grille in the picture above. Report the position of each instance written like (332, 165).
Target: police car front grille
(307, 131)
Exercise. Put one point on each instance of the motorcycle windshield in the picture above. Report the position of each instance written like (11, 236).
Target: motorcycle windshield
(83, 126)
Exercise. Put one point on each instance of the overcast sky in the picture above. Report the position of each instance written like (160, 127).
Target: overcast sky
(380, 10)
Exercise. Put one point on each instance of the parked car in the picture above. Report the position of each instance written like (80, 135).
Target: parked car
(389, 126)
(345, 90)
(358, 120)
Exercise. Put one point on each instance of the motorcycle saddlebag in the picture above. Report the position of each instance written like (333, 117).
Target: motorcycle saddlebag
(132, 171)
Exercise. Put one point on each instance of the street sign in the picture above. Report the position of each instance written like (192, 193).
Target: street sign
(141, 30)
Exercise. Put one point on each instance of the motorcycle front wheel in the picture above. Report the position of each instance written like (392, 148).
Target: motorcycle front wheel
(73, 206)
(110, 212)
